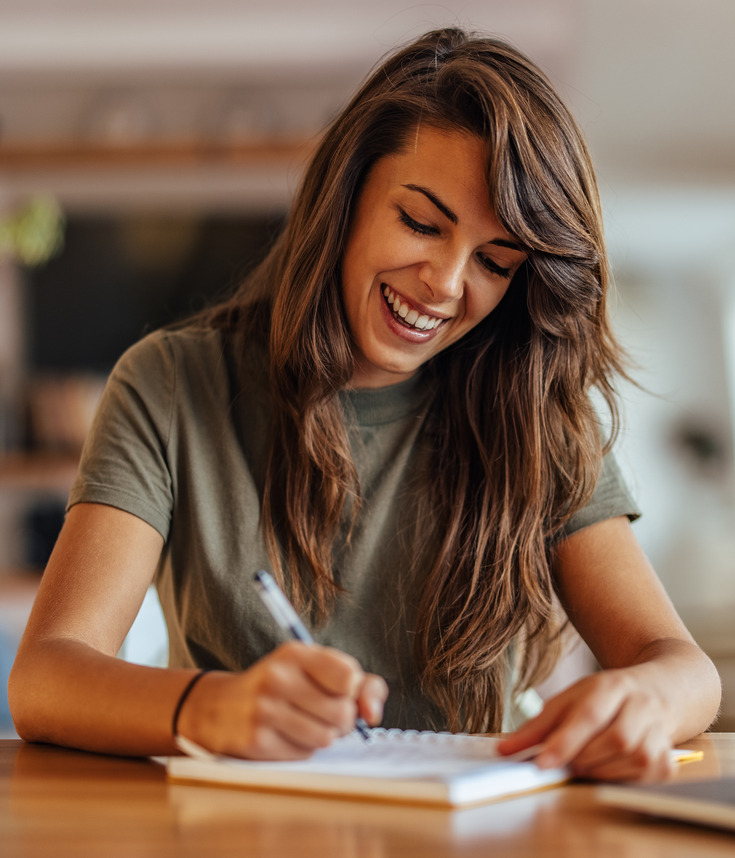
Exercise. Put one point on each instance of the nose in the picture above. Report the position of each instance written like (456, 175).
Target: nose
(444, 274)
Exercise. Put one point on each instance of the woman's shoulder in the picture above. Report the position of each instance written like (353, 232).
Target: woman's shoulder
(194, 349)
(185, 341)
(204, 364)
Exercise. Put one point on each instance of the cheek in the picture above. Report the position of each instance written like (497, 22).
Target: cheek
(383, 248)
(482, 301)
(352, 273)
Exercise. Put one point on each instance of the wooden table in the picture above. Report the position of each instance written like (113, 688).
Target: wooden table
(56, 803)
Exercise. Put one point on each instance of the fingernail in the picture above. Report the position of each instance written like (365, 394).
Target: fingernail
(375, 711)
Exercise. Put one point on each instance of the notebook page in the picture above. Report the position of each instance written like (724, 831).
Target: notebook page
(397, 754)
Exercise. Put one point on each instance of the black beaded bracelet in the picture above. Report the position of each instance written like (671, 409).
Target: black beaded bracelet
(182, 699)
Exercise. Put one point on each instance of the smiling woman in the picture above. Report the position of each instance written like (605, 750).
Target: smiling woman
(394, 413)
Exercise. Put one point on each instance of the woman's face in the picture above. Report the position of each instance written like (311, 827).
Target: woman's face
(426, 258)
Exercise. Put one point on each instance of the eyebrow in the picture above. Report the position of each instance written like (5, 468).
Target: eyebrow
(450, 215)
(432, 197)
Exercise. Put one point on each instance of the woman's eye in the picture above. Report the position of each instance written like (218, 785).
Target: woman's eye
(493, 266)
(424, 229)
(417, 226)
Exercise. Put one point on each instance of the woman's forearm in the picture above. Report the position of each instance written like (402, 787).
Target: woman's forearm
(296, 699)
(67, 693)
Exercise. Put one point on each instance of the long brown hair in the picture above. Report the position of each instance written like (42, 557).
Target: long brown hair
(518, 443)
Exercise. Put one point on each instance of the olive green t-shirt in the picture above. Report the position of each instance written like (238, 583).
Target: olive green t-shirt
(180, 440)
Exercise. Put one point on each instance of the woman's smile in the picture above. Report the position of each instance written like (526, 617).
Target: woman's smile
(415, 320)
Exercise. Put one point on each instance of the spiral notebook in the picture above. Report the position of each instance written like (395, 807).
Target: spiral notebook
(394, 765)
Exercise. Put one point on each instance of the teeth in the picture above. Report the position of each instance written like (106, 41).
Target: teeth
(408, 314)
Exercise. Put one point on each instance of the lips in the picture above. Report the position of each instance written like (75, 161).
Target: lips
(408, 315)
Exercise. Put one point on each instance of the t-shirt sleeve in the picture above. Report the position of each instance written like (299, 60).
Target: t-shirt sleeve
(610, 499)
(125, 460)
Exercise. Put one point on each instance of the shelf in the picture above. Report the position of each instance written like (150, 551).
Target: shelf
(32, 155)
(38, 472)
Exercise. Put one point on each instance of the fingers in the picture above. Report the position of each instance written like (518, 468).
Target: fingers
(271, 729)
(316, 686)
(649, 759)
(333, 671)
(293, 701)
(605, 727)
(535, 730)
(631, 747)
(339, 675)
(371, 699)
(584, 713)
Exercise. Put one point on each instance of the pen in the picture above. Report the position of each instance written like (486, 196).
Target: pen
(290, 623)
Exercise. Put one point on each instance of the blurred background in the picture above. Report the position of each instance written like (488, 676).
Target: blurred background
(148, 151)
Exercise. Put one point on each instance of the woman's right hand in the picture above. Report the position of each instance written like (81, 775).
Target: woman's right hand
(294, 700)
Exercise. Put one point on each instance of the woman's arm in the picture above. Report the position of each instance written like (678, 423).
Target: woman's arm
(68, 687)
(657, 687)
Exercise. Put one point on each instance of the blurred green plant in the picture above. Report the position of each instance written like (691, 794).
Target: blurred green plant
(34, 233)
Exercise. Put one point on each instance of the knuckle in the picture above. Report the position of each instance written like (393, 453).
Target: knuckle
(347, 668)
(270, 682)
(620, 744)
(276, 677)
(340, 673)
(343, 659)
(288, 651)
(345, 713)
(591, 711)
(258, 742)
(261, 713)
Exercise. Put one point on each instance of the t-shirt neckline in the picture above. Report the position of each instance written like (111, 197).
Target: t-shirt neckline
(375, 405)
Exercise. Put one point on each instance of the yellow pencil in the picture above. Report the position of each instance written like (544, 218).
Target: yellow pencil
(687, 756)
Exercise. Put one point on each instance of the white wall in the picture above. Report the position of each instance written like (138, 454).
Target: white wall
(673, 251)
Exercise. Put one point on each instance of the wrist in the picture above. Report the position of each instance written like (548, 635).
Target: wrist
(180, 720)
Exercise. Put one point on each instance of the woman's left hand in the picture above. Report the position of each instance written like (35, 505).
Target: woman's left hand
(608, 726)
(621, 723)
